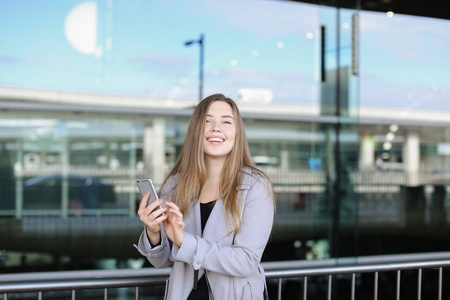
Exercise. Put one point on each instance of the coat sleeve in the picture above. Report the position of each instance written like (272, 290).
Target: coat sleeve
(244, 255)
(158, 256)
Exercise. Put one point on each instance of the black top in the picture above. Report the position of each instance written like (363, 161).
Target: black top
(205, 211)
(201, 292)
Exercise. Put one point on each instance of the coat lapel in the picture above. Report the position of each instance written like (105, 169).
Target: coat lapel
(192, 221)
(216, 227)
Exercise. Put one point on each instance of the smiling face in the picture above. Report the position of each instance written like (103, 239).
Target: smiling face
(220, 130)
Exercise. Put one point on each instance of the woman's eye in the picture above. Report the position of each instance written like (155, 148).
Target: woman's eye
(208, 121)
(227, 122)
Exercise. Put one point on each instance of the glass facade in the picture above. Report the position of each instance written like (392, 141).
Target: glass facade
(346, 111)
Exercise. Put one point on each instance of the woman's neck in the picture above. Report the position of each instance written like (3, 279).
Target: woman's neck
(210, 190)
(213, 169)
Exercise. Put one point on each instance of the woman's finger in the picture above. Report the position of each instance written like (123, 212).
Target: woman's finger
(177, 213)
(180, 223)
(160, 219)
(158, 211)
(152, 218)
(144, 201)
(152, 207)
(172, 205)
(174, 210)
(153, 223)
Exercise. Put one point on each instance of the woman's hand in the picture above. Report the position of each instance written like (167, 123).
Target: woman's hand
(174, 225)
(152, 216)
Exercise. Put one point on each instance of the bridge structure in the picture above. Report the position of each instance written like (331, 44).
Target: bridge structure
(387, 200)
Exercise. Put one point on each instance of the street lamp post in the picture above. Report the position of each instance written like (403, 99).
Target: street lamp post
(200, 79)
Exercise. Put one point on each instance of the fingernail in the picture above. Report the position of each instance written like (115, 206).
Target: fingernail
(160, 200)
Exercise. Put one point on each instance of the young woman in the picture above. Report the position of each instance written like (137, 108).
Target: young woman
(218, 215)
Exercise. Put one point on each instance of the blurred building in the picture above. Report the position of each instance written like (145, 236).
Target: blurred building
(352, 176)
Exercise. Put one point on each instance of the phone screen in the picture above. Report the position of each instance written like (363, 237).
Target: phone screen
(144, 185)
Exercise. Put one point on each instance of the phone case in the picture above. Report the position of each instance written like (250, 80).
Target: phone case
(144, 185)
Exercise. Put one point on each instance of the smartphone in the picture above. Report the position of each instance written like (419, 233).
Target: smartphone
(146, 185)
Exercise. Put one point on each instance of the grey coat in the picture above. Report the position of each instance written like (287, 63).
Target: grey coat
(231, 263)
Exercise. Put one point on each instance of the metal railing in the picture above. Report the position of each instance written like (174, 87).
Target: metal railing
(108, 279)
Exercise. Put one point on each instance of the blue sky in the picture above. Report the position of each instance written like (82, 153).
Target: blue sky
(257, 44)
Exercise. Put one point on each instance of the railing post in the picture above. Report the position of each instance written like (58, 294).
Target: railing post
(375, 287)
(353, 285)
(137, 293)
(279, 288)
(398, 284)
(305, 288)
(73, 294)
(330, 279)
(419, 285)
(440, 284)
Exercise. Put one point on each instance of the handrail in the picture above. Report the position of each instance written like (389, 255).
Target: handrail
(104, 279)
(350, 269)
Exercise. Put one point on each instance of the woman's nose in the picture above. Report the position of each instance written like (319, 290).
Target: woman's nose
(215, 127)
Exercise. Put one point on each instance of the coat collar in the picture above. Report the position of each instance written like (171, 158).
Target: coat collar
(217, 225)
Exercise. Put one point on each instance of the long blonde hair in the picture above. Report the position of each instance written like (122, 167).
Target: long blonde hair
(191, 170)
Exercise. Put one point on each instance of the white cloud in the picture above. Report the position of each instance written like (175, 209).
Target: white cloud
(287, 86)
(262, 17)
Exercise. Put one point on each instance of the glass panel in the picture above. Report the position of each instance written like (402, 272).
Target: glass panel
(404, 63)
(69, 174)
(404, 173)
(340, 99)
(350, 179)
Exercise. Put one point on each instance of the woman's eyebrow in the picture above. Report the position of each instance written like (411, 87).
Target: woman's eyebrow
(222, 116)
